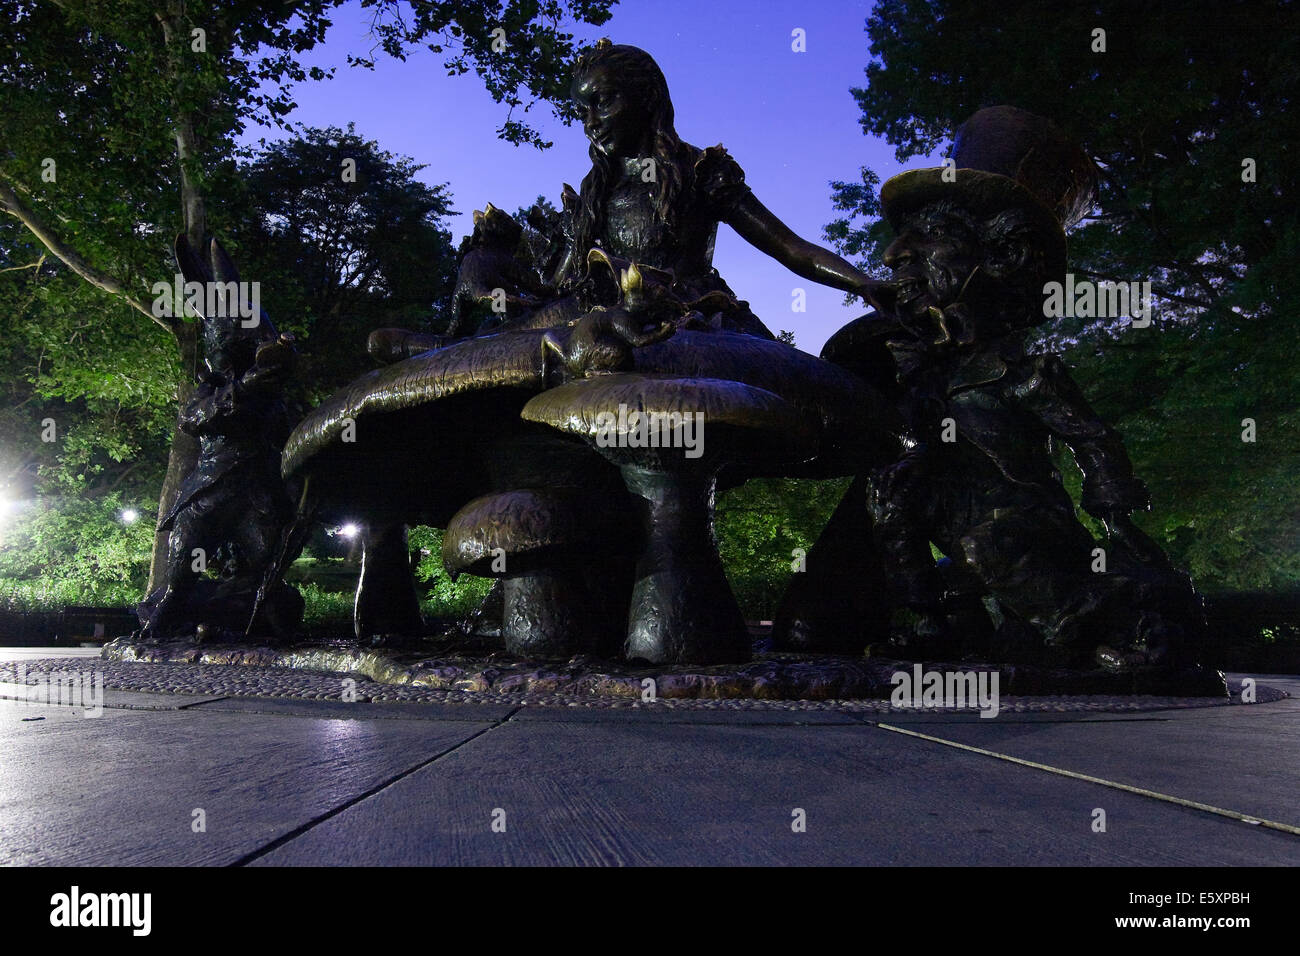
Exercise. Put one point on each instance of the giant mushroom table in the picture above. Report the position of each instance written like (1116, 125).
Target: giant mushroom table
(444, 438)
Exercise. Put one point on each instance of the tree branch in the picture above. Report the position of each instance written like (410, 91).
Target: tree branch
(1199, 303)
(193, 209)
(31, 265)
(11, 204)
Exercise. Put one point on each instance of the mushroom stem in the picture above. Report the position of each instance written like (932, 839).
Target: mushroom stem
(682, 610)
(546, 614)
(386, 602)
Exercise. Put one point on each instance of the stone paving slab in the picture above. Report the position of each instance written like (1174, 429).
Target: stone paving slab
(27, 653)
(521, 711)
(119, 790)
(360, 710)
(289, 773)
(657, 714)
(1243, 758)
(637, 793)
(120, 699)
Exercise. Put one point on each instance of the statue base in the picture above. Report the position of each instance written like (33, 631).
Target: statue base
(469, 667)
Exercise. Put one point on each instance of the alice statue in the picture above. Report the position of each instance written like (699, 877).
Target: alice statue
(655, 200)
(650, 201)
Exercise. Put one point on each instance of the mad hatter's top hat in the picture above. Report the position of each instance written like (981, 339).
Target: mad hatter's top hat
(1006, 158)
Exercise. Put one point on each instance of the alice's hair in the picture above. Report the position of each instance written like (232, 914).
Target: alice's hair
(641, 81)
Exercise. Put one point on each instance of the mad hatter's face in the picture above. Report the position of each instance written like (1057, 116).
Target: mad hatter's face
(936, 252)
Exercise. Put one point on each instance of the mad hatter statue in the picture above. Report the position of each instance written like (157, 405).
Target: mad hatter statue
(974, 246)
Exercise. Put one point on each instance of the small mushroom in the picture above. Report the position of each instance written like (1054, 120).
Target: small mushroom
(531, 539)
(669, 436)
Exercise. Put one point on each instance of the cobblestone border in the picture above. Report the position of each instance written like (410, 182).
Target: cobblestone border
(252, 681)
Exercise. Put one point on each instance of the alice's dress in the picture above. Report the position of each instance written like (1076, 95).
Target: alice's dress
(631, 230)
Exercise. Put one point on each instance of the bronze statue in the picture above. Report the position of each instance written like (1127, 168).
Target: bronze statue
(603, 539)
(977, 477)
(656, 200)
(492, 282)
(633, 291)
(226, 524)
(649, 199)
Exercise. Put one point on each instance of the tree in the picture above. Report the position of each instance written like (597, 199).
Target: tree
(541, 246)
(112, 110)
(517, 48)
(1172, 111)
(350, 241)
(765, 528)
(85, 404)
(116, 110)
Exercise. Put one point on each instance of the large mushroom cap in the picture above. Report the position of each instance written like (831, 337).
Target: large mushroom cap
(729, 421)
(410, 441)
(857, 427)
(531, 526)
(491, 362)
(407, 442)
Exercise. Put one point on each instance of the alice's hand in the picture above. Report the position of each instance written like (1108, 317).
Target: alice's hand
(880, 295)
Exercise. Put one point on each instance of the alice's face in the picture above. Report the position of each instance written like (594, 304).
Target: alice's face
(614, 123)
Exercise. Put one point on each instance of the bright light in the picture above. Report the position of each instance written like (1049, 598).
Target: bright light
(129, 515)
(8, 509)
(349, 530)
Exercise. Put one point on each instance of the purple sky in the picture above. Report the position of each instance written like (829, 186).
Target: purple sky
(788, 118)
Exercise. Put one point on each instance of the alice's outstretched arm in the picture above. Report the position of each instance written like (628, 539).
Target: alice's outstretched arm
(760, 227)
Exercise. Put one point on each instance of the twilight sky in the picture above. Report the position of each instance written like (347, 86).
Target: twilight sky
(788, 118)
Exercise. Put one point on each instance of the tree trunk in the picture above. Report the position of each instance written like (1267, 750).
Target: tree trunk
(184, 451)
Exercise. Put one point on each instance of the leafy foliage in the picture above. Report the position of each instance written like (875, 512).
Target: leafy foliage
(518, 48)
(446, 598)
(759, 526)
(84, 543)
(341, 256)
(96, 95)
(1181, 97)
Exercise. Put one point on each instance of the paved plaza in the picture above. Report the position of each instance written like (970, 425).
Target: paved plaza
(232, 778)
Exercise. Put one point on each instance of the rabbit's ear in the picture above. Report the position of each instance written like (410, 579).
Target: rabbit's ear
(223, 269)
(188, 261)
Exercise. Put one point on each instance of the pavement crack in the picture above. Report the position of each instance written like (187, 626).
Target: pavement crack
(1102, 781)
(365, 795)
(200, 703)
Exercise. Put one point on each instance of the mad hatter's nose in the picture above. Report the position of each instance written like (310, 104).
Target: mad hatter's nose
(899, 254)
